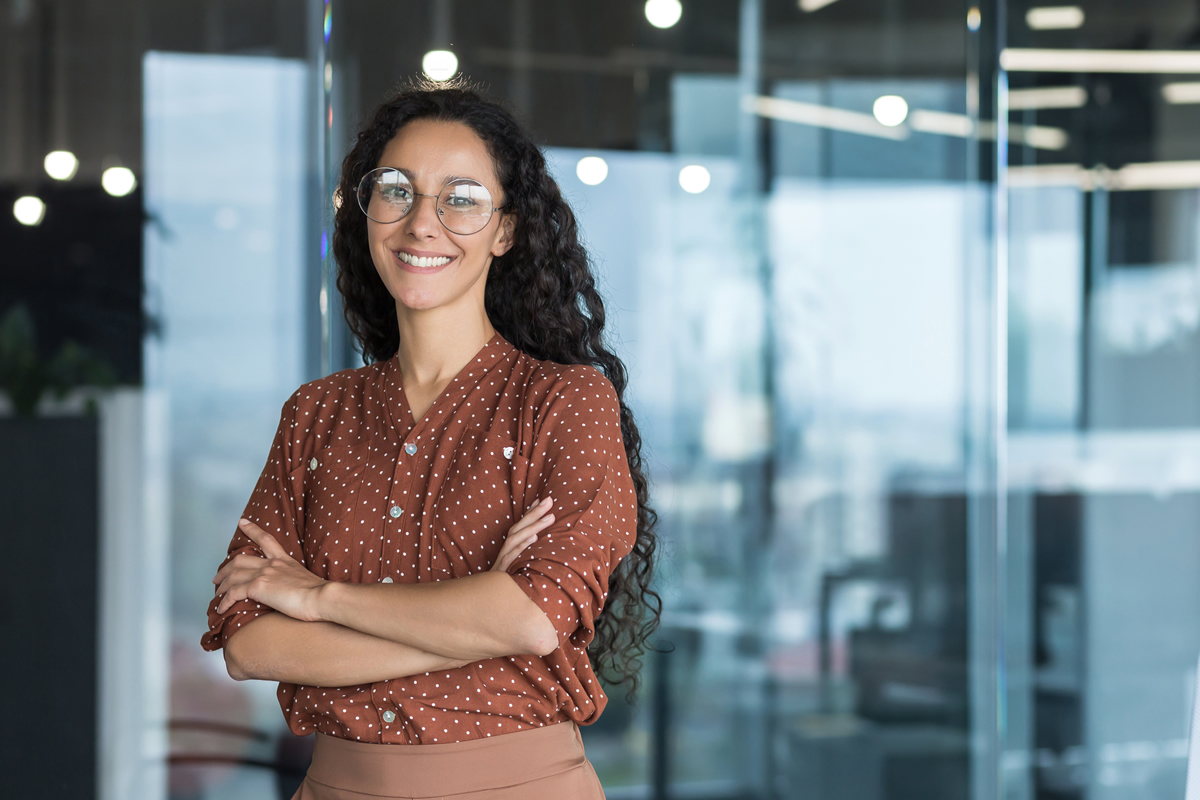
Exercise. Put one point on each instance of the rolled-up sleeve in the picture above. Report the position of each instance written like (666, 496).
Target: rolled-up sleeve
(580, 462)
(276, 508)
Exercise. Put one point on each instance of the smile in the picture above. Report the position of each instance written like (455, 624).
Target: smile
(423, 261)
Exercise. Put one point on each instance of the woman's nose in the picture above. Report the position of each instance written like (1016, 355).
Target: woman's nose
(423, 218)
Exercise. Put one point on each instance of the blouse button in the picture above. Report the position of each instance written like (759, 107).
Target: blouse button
(395, 511)
(410, 448)
(389, 716)
(386, 580)
(312, 464)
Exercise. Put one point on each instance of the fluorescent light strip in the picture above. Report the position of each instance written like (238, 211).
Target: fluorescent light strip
(938, 122)
(1182, 93)
(1129, 178)
(1054, 18)
(814, 5)
(1141, 61)
(820, 116)
(1050, 97)
(1040, 137)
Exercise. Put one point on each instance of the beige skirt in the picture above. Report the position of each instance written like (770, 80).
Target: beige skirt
(538, 764)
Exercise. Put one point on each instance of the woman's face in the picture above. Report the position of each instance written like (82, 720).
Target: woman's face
(432, 153)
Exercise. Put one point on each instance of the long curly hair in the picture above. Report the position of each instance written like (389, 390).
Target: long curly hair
(540, 295)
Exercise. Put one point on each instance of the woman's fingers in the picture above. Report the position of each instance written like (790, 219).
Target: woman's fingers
(531, 516)
(509, 555)
(245, 560)
(265, 541)
(524, 533)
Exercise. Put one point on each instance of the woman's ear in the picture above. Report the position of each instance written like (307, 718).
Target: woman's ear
(505, 235)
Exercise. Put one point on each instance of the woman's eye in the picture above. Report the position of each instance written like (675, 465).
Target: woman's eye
(396, 193)
(461, 203)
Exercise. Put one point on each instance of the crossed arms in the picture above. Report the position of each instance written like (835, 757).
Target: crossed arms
(330, 633)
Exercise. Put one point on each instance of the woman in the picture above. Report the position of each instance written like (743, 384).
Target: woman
(448, 546)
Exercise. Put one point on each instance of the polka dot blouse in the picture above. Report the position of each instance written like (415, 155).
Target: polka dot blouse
(362, 493)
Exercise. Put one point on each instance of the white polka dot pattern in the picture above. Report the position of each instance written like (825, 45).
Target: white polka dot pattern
(361, 492)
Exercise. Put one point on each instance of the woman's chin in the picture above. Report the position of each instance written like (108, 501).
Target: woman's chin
(422, 299)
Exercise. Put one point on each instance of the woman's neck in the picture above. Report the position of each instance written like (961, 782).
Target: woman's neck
(435, 345)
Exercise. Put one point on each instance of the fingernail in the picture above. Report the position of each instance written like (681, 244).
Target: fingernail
(547, 500)
(243, 521)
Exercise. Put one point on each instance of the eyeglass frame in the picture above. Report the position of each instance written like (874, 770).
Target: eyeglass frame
(415, 193)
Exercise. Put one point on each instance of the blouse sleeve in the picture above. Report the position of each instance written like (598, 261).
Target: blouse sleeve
(276, 507)
(578, 459)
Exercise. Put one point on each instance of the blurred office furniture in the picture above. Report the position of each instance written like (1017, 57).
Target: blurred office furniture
(1058, 696)
(906, 735)
(290, 760)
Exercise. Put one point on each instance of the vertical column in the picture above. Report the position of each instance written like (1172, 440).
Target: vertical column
(985, 436)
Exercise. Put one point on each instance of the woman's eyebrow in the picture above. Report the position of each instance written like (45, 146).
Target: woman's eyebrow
(408, 173)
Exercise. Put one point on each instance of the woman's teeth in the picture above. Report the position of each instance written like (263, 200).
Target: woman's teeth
(420, 261)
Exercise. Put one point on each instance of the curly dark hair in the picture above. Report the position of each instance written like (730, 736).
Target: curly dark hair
(540, 295)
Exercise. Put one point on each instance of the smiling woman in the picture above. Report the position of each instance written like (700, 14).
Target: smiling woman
(449, 546)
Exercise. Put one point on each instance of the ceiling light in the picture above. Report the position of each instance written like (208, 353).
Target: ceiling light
(1050, 97)
(61, 165)
(663, 13)
(592, 170)
(1054, 18)
(1129, 178)
(942, 122)
(813, 5)
(694, 179)
(118, 181)
(974, 18)
(838, 119)
(29, 210)
(890, 110)
(439, 64)
(1039, 136)
(1181, 93)
(1140, 61)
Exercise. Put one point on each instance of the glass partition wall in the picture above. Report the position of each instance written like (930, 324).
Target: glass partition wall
(1103, 398)
(908, 291)
(790, 210)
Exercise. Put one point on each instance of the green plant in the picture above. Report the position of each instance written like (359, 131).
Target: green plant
(25, 376)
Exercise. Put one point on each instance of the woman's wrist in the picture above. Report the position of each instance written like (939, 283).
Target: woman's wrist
(327, 601)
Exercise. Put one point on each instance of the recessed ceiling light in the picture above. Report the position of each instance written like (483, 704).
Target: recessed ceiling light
(694, 179)
(118, 181)
(61, 165)
(29, 210)
(439, 64)
(592, 170)
(663, 13)
(890, 110)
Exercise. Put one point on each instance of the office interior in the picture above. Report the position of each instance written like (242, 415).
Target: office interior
(909, 294)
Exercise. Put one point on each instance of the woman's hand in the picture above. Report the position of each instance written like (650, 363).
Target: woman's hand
(523, 534)
(278, 580)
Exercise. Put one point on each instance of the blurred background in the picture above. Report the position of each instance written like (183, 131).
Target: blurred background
(909, 292)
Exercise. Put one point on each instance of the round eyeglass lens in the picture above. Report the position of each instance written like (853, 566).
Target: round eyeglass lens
(465, 206)
(385, 195)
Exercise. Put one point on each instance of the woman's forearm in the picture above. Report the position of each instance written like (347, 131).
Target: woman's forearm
(276, 647)
(471, 618)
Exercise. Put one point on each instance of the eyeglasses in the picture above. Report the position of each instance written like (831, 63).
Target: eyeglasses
(464, 206)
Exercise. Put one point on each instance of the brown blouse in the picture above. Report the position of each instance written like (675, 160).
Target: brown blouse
(359, 492)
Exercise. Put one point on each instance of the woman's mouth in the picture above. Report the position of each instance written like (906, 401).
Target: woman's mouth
(422, 262)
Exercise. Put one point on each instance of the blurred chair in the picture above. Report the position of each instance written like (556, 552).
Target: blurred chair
(292, 755)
